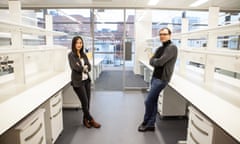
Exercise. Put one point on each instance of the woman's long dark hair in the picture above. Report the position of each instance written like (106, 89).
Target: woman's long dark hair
(74, 41)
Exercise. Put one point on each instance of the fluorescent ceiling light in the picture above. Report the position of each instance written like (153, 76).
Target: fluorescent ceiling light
(141, 17)
(198, 3)
(69, 17)
(153, 2)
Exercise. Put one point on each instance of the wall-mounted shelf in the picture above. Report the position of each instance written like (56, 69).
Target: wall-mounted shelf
(231, 29)
(25, 37)
(229, 53)
(7, 26)
(28, 49)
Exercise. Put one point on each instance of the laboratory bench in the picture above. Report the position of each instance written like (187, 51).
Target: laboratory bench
(213, 115)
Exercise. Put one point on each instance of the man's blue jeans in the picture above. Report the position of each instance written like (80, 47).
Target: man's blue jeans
(151, 101)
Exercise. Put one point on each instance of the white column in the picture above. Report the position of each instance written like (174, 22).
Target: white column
(213, 17)
(49, 26)
(16, 17)
(184, 26)
(17, 40)
(183, 61)
(15, 11)
(143, 31)
(212, 23)
(211, 45)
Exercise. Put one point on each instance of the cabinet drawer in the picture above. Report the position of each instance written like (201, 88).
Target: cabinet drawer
(38, 138)
(32, 129)
(160, 103)
(200, 130)
(191, 139)
(198, 135)
(56, 125)
(160, 108)
(200, 121)
(55, 99)
(160, 99)
(161, 93)
(54, 110)
(55, 105)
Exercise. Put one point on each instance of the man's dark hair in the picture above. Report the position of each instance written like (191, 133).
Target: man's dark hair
(169, 31)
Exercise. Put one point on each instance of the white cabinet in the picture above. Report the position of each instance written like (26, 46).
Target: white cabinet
(56, 115)
(53, 117)
(30, 131)
(170, 103)
(200, 129)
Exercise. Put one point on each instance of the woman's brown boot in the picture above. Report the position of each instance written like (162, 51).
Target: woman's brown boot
(86, 123)
(94, 124)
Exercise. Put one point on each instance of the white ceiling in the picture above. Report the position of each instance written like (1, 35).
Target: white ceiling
(232, 5)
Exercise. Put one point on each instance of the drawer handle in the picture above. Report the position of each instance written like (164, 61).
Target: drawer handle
(59, 111)
(199, 129)
(41, 140)
(199, 117)
(59, 100)
(56, 95)
(192, 137)
(33, 122)
(34, 133)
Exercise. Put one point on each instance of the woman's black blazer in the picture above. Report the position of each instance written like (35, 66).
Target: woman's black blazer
(77, 68)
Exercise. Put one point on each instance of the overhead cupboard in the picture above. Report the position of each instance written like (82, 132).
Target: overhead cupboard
(32, 76)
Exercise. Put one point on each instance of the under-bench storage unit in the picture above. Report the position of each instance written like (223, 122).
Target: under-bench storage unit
(53, 117)
(200, 129)
(29, 131)
(170, 103)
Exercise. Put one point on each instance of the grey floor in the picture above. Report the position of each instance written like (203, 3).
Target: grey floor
(132, 80)
(113, 80)
(120, 113)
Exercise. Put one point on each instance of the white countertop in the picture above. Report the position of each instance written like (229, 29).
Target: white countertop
(97, 61)
(224, 113)
(19, 106)
(146, 64)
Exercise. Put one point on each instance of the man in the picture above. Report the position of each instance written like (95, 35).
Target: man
(163, 62)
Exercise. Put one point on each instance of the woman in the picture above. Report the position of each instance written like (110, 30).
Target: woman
(80, 79)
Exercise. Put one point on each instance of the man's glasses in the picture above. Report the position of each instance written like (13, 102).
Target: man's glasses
(163, 34)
